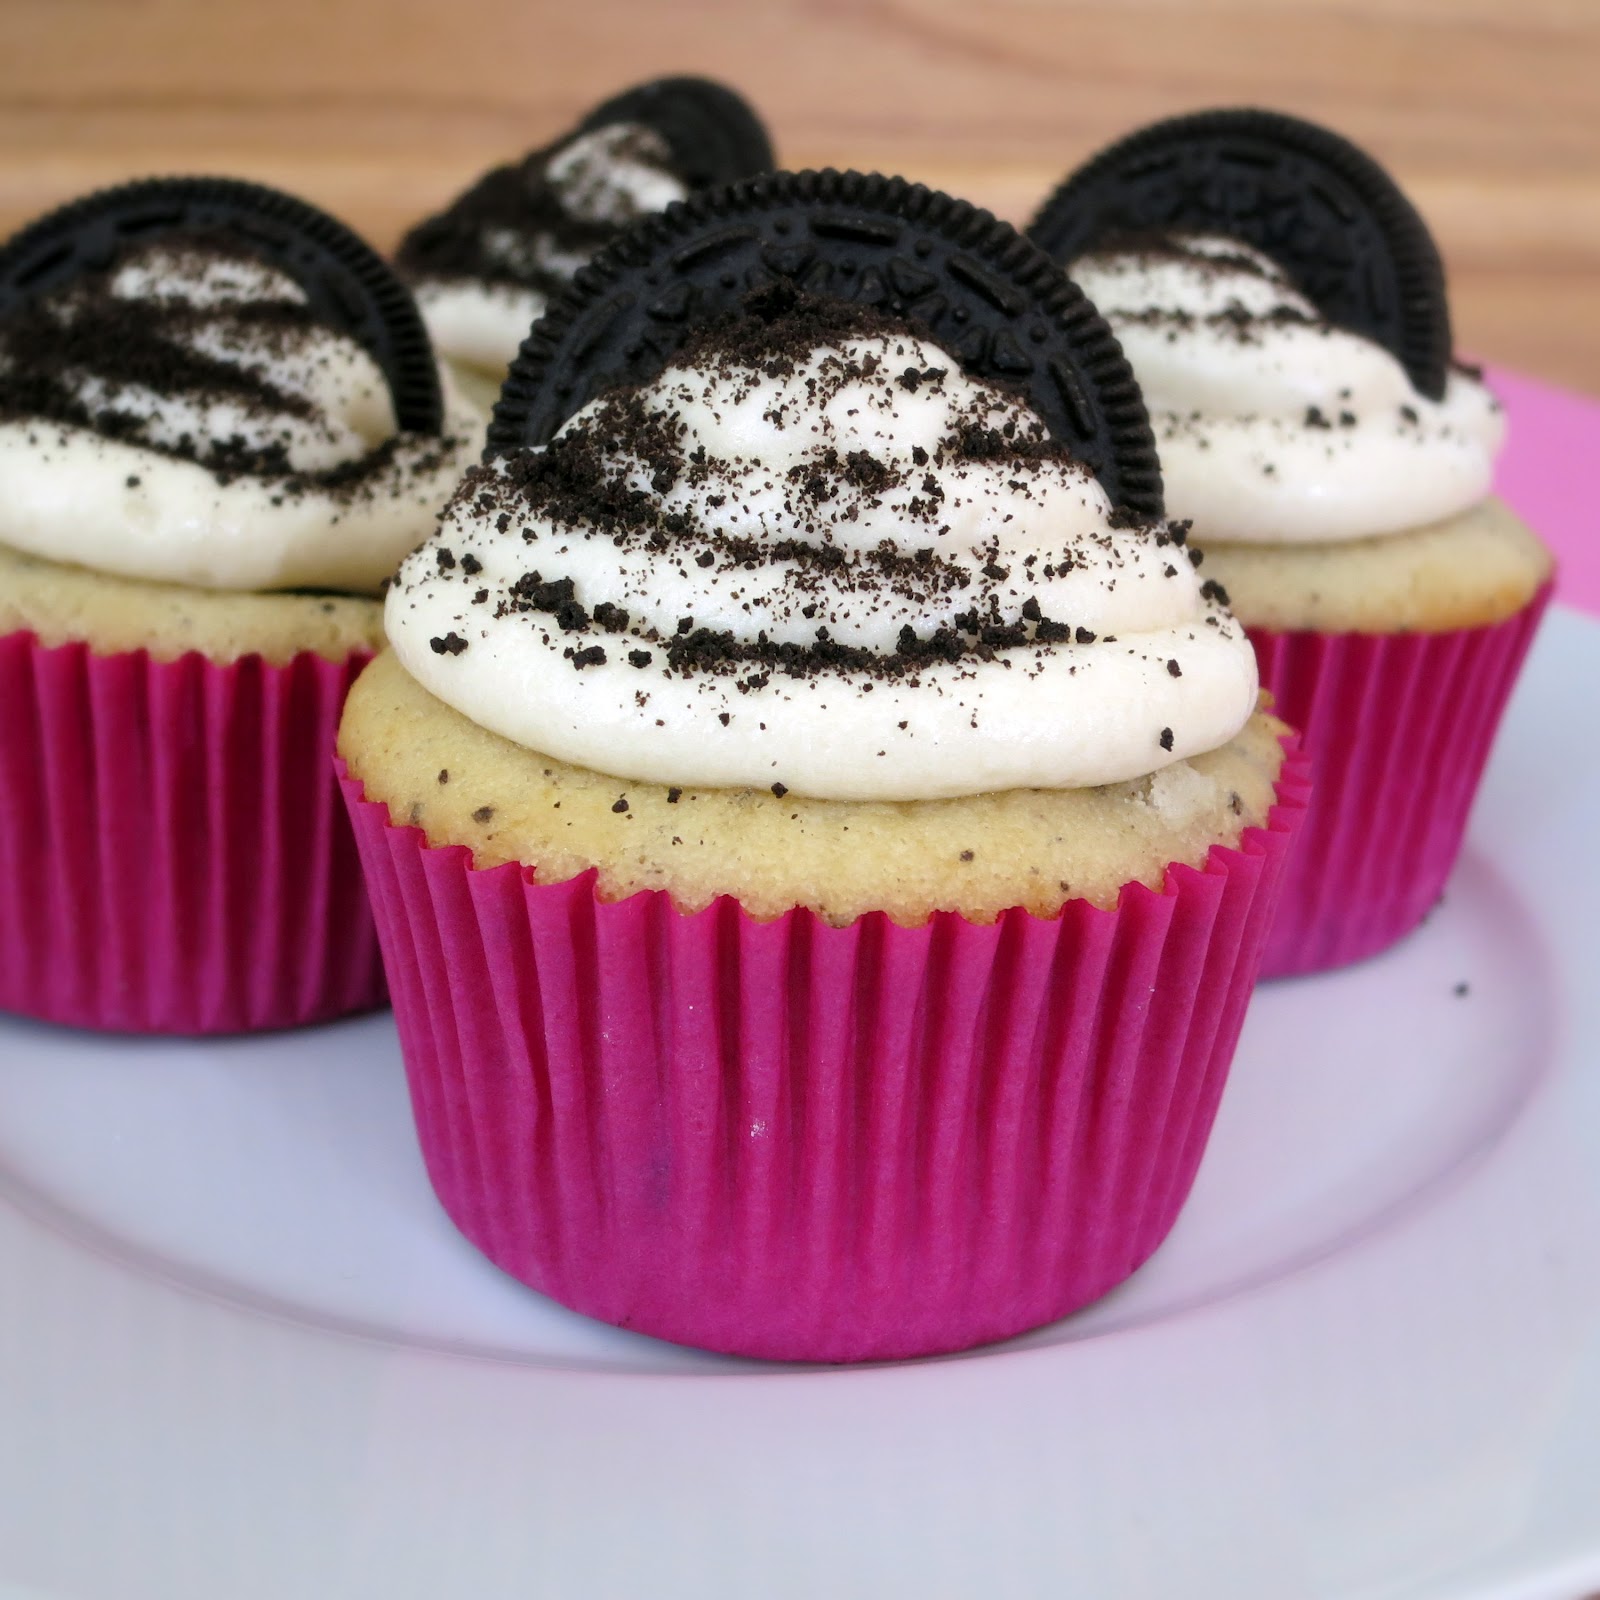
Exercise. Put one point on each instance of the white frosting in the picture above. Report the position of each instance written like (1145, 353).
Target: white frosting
(348, 407)
(601, 177)
(161, 503)
(608, 179)
(479, 325)
(1275, 427)
(922, 536)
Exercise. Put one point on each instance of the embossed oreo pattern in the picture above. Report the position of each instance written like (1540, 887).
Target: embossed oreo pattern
(977, 287)
(347, 284)
(1324, 210)
(713, 133)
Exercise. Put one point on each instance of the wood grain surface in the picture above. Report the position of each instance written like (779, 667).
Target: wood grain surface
(1487, 110)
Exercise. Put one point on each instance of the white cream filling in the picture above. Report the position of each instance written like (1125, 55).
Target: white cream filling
(1167, 675)
(1274, 427)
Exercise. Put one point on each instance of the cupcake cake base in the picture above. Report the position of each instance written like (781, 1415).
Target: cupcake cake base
(784, 1139)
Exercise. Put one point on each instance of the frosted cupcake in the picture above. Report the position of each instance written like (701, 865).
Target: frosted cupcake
(221, 427)
(821, 831)
(1284, 309)
(484, 269)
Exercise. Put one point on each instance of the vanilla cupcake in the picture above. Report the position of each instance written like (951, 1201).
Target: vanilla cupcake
(484, 269)
(221, 428)
(1284, 309)
(821, 829)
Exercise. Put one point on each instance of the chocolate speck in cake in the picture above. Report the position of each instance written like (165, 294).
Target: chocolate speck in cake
(1166, 738)
(483, 814)
(452, 644)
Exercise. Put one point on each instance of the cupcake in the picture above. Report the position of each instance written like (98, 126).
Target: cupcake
(820, 826)
(485, 268)
(221, 427)
(1284, 309)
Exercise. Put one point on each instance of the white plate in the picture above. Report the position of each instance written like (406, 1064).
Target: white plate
(243, 1355)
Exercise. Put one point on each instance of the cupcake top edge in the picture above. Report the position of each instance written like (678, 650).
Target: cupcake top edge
(197, 387)
(814, 554)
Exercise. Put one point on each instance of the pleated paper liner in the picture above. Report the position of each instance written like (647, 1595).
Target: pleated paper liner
(174, 854)
(790, 1140)
(1399, 728)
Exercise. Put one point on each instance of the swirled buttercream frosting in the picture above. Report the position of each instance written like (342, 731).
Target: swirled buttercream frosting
(184, 416)
(1274, 425)
(484, 269)
(814, 555)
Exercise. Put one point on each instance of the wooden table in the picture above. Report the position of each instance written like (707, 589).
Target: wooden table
(1487, 110)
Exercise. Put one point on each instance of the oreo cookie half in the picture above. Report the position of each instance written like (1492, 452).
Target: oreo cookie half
(347, 284)
(713, 133)
(1325, 211)
(981, 291)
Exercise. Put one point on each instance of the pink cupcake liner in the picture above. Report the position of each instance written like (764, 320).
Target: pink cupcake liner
(802, 1142)
(174, 855)
(1399, 728)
